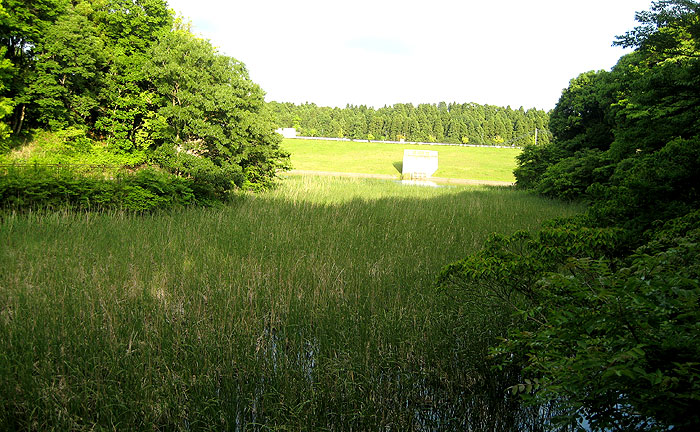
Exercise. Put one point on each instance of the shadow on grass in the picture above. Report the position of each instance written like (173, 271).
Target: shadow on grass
(399, 166)
(16, 142)
(425, 366)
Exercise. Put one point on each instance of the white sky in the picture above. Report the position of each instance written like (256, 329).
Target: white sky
(382, 52)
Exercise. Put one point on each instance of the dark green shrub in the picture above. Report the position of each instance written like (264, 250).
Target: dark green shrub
(650, 187)
(33, 187)
(569, 178)
(208, 178)
(604, 335)
(617, 344)
(533, 162)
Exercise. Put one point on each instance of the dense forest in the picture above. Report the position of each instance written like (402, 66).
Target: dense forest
(606, 306)
(454, 123)
(124, 82)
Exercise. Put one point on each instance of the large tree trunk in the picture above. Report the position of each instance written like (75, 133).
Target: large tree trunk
(18, 125)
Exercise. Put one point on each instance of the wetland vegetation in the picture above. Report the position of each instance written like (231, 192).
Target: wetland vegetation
(309, 307)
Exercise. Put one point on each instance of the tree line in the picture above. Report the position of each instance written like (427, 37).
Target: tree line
(455, 123)
(606, 305)
(129, 77)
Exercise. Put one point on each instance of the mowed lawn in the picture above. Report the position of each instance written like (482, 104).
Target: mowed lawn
(473, 163)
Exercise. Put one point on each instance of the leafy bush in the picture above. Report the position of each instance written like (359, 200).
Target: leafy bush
(612, 340)
(509, 267)
(33, 187)
(658, 186)
(533, 162)
(207, 177)
(617, 344)
(570, 178)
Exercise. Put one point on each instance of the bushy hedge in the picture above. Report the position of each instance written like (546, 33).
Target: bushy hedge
(609, 336)
(37, 186)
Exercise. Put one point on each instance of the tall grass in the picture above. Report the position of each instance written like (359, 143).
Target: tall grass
(310, 307)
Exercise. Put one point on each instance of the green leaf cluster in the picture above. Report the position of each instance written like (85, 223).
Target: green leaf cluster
(607, 336)
(605, 307)
(60, 187)
(130, 75)
(607, 125)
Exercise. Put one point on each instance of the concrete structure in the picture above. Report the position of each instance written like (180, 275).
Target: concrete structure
(419, 163)
(287, 132)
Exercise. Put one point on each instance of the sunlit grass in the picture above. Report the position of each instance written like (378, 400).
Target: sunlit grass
(474, 163)
(310, 307)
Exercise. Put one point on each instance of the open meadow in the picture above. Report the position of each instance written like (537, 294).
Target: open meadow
(309, 307)
(473, 163)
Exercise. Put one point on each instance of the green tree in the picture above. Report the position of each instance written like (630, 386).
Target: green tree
(6, 104)
(376, 127)
(211, 111)
(129, 28)
(606, 305)
(22, 28)
(438, 130)
(609, 340)
(69, 61)
(456, 129)
(582, 118)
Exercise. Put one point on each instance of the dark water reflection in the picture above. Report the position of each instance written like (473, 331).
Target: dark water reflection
(394, 398)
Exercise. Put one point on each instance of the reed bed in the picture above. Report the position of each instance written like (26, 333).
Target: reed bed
(311, 307)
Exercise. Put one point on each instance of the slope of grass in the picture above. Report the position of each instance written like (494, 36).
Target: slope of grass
(70, 146)
(474, 163)
(310, 307)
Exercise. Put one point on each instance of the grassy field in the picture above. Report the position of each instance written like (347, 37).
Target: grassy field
(474, 163)
(308, 308)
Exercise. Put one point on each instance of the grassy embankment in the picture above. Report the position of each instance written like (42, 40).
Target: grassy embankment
(474, 163)
(310, 307)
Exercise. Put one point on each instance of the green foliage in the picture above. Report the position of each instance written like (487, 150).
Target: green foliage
(54, 187)
(122, 73)
(618, 344)
(650, 187)
(570, 177)
(509, 267)
(22, 29)
(6, 104)
(646, 104)
(610, 334)
(669, 28)
(582, 118)
(68, 59)
(582, 124)
(613, 341)
(208, 178)
(211, 109)
(454, 123)
(533, 161)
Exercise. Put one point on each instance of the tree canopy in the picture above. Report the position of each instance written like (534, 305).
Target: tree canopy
(129, 74)
(447, 123)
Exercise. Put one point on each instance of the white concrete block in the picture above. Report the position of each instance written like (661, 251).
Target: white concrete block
(419, 163)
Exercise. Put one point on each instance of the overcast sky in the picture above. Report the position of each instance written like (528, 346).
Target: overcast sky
(381, 52)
